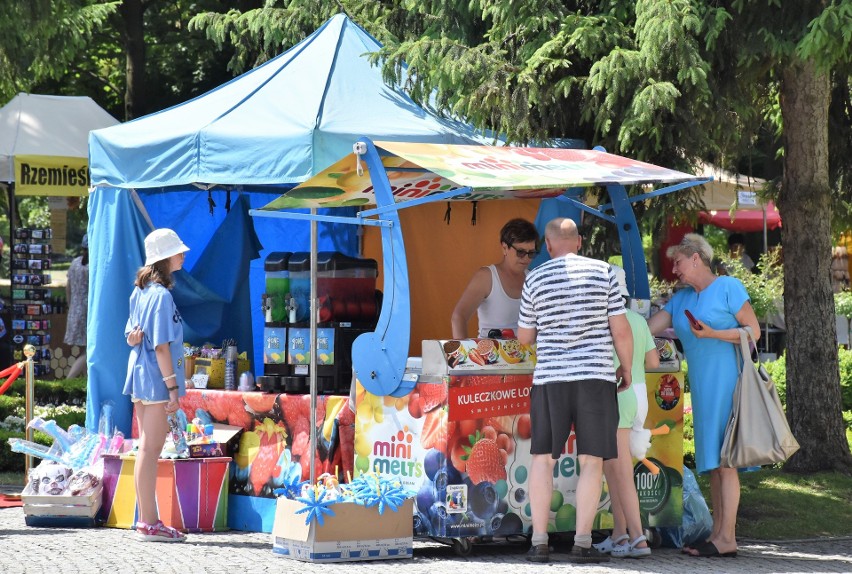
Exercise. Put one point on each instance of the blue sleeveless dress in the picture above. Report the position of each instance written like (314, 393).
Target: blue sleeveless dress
(712, 363)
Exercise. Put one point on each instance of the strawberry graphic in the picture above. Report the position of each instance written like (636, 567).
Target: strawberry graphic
(295, 408)
(259, 403)
(502, 424)
(190, 403)
(437, 430)
(238, 416)
(263, 468)
(432, 396)
(301, 445)
(216, 403)
(484, 460)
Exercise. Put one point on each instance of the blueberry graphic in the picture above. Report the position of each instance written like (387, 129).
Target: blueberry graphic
(502, 506)
(438, 515)
(483, 500)
(495, 523)
(421, 524)
(432, 462)
(425, 496)
(445, 475)
(511, 524)
(520, 495)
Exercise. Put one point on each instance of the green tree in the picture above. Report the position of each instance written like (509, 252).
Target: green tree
(40, 39)
(665, 81)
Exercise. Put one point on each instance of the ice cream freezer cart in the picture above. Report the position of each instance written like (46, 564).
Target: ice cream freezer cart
(460, 439)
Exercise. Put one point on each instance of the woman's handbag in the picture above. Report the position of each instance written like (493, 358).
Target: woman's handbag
(757, 432)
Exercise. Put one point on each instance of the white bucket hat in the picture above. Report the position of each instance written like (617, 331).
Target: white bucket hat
(621, 276)
(162, 244)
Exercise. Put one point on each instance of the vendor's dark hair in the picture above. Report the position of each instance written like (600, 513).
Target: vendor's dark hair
(736, 238)
(518, 231)
(157, 272)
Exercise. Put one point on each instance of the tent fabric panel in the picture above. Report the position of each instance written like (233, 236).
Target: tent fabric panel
(37, 125)
(743, 220)
(279, 123)
(116, 250)
(224, 273)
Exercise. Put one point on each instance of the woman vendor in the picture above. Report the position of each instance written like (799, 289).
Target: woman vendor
(494, 292)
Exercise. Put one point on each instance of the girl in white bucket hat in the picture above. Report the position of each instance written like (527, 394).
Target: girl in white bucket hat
(155, 370)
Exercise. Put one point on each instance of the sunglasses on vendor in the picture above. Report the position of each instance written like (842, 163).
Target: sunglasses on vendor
(524, 253)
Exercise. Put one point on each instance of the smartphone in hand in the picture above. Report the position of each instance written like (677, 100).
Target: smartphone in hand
(692, 320)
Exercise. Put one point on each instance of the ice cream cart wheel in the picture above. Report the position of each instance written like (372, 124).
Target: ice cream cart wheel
(654, 538)
(462, 546)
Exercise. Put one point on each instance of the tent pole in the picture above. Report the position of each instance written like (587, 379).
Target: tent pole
(312, 315)
(11, 199)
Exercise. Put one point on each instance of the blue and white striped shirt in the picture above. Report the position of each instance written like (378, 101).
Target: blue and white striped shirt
(569, 300)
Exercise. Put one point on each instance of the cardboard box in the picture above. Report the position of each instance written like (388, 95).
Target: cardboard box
(62, 511)
(353, 533)
(226, 440)
(215, 370)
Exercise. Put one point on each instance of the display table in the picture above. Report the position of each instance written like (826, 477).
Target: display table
(276, 437)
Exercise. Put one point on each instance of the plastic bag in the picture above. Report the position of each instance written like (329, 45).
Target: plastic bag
(697, 523)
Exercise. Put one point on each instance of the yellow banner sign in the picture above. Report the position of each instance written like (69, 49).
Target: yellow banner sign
(51, 175)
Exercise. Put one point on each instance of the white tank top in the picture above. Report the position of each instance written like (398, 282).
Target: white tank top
(498, 310)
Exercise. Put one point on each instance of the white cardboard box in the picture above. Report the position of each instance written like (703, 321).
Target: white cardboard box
(353, 533)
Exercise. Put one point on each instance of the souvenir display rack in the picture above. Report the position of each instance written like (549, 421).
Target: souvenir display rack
(32, 302)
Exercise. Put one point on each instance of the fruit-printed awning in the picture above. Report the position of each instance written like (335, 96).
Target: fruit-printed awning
(418, 170)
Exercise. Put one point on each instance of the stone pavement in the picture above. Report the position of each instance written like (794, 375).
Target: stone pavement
(72, 551)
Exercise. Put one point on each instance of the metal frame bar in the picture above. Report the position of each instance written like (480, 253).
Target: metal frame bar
(325, 218)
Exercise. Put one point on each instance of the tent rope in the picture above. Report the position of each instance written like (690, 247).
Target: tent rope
(447, 213)
(473, 215)
(210, 203)
(228, 201)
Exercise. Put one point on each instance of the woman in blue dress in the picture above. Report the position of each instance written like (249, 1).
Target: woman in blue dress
(155, 371)
(720, 305)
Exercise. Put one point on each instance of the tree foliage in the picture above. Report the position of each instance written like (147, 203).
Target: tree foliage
(41, 39)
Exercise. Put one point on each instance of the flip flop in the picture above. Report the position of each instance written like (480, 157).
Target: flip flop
(709, 550)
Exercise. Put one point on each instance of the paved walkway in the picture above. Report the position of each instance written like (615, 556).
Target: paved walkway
(72, 551)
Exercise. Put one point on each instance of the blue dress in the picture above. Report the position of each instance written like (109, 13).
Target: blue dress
(153, 309)
(712, 363)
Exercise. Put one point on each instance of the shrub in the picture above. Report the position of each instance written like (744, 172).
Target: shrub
(64, 392)
(10, 405)
(688, 438)
(778, 372)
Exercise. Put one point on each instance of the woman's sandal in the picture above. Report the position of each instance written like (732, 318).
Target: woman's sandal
(632, 549)
(158, 532)
(608, 543)
(709, 550)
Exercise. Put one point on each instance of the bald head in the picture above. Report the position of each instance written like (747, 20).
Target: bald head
(561, 236)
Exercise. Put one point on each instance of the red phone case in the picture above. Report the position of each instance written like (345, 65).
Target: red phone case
(692, 319)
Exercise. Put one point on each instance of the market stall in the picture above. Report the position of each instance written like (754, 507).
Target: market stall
(422, 427)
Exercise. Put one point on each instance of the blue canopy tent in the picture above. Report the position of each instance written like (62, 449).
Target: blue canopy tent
(241, 144)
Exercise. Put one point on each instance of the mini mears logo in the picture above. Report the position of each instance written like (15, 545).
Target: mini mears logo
(399, 445)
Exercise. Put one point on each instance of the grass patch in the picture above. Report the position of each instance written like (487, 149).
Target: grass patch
(776, 505)
(12, 478)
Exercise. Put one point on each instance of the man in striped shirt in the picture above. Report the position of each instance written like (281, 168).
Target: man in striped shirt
(571, 307)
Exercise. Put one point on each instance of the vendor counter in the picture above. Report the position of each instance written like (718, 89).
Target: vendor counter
(461, 440)
(274, 446)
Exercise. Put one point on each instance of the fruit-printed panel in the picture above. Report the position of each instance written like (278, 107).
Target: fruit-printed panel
(274, 450)
(471, 471)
